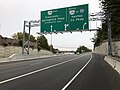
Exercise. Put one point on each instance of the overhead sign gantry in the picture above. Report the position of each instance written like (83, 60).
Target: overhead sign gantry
(68, 19)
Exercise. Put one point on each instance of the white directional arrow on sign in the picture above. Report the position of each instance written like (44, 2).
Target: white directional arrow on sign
(84, 25)
(66, 25)
(51, 28)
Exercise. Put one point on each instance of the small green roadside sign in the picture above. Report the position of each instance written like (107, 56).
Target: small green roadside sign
(65, 19)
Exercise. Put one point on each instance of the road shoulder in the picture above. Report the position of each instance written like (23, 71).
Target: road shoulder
(114, 62)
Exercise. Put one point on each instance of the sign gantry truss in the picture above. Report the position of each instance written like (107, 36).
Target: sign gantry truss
(97, 16)
(27, 29)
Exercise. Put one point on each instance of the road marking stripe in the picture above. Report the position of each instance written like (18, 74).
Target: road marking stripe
(76, 74)
(39, 70)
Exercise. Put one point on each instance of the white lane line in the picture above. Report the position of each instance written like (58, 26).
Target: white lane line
(35, 63)
(76, 74)
(39, 70)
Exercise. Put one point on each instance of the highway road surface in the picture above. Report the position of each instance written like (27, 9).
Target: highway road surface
(66, 72)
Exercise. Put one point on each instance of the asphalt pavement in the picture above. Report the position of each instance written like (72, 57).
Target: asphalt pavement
(68, 72)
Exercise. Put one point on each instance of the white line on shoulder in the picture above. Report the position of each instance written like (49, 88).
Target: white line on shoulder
(76, 74)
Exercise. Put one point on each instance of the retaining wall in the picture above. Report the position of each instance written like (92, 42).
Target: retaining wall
(103, 48)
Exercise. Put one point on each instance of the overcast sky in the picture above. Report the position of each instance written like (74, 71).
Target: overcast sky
(14, 12)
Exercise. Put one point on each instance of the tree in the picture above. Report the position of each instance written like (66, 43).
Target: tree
(19, 36)
(82, 49)
(32, 38)
(38, 47)
(109, 6)
(51, 48)
(42, 41)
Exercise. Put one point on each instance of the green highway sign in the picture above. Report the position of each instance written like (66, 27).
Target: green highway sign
(65, 19)
(78, 17)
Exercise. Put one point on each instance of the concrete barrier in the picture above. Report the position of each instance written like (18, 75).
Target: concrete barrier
(114, 62)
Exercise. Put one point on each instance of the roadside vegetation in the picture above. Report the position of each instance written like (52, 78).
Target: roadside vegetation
(39, 43)
(113, 7)
(82, 49)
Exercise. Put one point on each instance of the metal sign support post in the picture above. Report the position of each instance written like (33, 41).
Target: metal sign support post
(29, 38)
(109, 35)
(23, 37)
(51, 34)
(28, 24)
(26, 43)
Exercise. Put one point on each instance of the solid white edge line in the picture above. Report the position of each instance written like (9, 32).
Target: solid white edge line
(39, 70)
(77, 74)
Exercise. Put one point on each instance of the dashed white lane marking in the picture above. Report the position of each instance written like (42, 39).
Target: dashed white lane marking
(39, 70)
(76, 74)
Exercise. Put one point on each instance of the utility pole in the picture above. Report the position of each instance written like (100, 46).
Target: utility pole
(109, 35)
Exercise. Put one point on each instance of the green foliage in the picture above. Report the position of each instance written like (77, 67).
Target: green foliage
(38, 47)
(83, 49)
(51, 48)
(20, 42)
(19, 36)
(42, 41)
(113, 7)
(32, 38)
